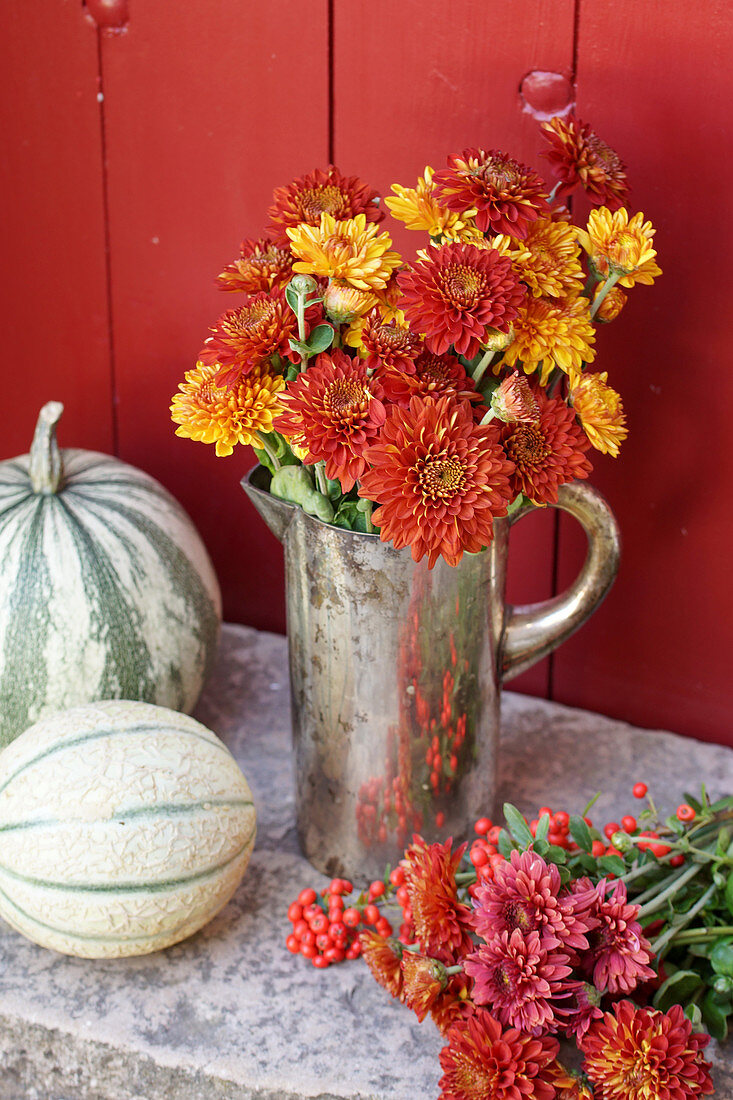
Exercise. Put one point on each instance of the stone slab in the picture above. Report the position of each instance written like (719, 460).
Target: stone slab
(229, 1014)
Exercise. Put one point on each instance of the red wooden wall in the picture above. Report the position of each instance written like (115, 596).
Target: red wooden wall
(137, 156)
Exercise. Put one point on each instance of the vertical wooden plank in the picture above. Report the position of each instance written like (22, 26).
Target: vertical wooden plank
(418, 80)
(209, 105)
(658, 652)
(54, 299)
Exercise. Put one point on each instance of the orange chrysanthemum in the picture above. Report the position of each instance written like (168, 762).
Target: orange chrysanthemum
(334, 411)
(211, 414)
(579, 156)
(612, 303)
(352, 250)
(423, 980)
(600, 411)
(243, 338)
(481, 1061)
(441, 921)
(440, 480)
(388, 344)
(453, 1004)
(568, 1086)
(643, 1054)
(616, 245)
(261, 265)
(548, 453)
(419, 209)
(505, 194)
(514, 402)
(382, 956)
(433, 376)
(547, 259)
(549, 334)
(319, 192)
(455, 292)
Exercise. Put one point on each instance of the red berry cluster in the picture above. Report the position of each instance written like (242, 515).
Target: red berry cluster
(326, 929)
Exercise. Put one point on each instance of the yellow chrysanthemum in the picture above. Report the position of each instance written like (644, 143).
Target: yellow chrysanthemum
(616, 244)
(547, 260)
(419, 209)
(611, 305)
(344, 303)
(212, 414)
(350, 250)
(552, 333)
(600, 412)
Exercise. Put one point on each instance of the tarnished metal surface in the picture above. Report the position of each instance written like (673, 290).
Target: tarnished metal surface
(394, 673)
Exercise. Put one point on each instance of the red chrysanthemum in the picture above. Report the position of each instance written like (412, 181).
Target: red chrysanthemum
(440, 919)
(525, 895)
(389, 345)
(261, 265)
(453, 1004)
(334, 411)
(319, 192)
(434, 376)
(481, 1061)
(548, 453)
(382, 958)
(577, 1007)
(643, 1054)
(458, 291)
(423, 980)
(516, 977)
(243, 338)
(439, 478)
(505, 194)
(619, 952)
(579, 156)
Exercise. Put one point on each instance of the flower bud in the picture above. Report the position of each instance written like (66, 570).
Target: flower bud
(513, 401)
(344, 303)
(495, 340)
(611, 305)
(303, 285)
(622, 841)
(423, 980)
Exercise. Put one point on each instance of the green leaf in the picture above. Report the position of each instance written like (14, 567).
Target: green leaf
(729, 894)
(693, 1013)
(301, 348)
(587, 862)
(292, 298)
(580, 833)
(541, 847)
(517, 825)
(504, 844)
(714, 1016)
(543, 828)
(676, 990)
(611, 865)
(320, 338)
(555, 854)
(692, 801)
(721, 959)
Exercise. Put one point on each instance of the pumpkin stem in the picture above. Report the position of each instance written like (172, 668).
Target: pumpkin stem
(45, 467)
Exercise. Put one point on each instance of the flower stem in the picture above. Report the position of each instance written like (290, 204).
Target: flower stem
(321, 478)
(480, 369)
(699, 935)
(608, 285)
(666, 938)
(464, 878)
(488, 417)
(453, 970)
(652, 899)
(368, 517)
(269, 452)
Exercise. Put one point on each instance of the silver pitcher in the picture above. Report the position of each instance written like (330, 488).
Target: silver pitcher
(396, 672)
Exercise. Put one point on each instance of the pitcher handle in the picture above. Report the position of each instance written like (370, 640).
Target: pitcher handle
(531, 631)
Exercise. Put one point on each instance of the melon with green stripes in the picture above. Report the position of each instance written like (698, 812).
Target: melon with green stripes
(106, 590)
(124, 828)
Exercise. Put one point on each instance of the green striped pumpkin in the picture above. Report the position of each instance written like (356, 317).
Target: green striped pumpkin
(106, 590)
(124, 828)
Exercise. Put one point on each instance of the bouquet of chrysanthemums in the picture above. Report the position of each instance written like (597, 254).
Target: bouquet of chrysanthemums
(616, 942)
(445, 391)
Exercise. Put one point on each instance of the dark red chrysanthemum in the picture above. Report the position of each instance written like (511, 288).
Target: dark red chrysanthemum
(548, 453)
(619, 951)
(243, 338)
(441, 921)
(334, 411)
(455, 294)
(643, 1054)
(319, 192)
(382, 956)
(389, 345)
(482, 1062)
(439, 478)
(505, 194)
(433, 376)
(579, 156)
(261, 265)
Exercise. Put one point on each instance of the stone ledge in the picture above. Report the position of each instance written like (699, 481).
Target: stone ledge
(229, 1014)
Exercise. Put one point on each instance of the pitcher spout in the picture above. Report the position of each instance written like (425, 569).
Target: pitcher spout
(276, 513)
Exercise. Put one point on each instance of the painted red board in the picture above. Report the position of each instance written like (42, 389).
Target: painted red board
(659, 652)
(418, 80)
(54, 290)
(208, 107)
